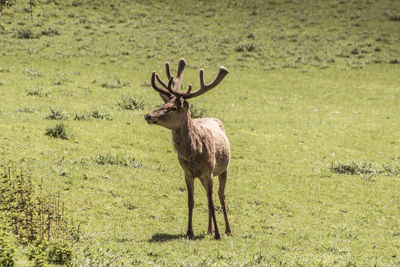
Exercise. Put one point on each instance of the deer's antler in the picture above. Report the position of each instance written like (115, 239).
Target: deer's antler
(159, 89)
(176, 83)
(205, 87)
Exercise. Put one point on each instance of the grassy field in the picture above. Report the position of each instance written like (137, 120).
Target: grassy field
(311, 108)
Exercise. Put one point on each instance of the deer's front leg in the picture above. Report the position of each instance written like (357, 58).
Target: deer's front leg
(211, 207)
(210, 224)
(190, 188)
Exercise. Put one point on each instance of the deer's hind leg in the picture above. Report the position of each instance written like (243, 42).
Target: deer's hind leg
(221, 193)
(211, 208)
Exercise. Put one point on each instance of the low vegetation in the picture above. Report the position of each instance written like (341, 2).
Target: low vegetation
(59, 130)
(33, 219)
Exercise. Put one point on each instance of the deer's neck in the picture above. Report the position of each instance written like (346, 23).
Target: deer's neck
(184, 138)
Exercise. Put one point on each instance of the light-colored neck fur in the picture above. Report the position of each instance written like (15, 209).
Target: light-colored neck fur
(185, 138)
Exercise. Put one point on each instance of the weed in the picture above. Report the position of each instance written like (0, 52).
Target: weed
(132, 103)
(57, 115)
(50, 32)
(60, 81)
(197, 112)
(82, 116)
(26, 109)
(59, 130)
(25, 33)
(246, 47)
(364, 168)
(32, 73)
(94, 113)
(110, 159)
(115, 83)
(38, 91)
(354, 168)
(102, 115)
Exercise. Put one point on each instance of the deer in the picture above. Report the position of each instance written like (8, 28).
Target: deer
(201, 144)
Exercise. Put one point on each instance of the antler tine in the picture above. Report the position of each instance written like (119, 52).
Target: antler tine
(169, 88)
(158, 89)
(161, 81)
(205, 87)
(167, 69)
(189, 89)
(179, 75)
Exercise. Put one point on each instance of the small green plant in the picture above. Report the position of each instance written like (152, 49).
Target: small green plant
(26, 109)
(32, 73)
(197, 112)
(95, 114)
(132, 103)
(115, 83)
(110, 159)
(25, 33)
(57, 115)
(38, 91)
(82, 116)
(102, 115)
(59, 130)
(354, 168)
(50, 31)
(245, 47)
(60, 80)
(364, 168)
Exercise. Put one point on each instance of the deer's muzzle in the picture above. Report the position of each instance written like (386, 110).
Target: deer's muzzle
(150, 119)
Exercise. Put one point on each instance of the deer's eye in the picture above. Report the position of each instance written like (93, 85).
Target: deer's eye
(173, 109)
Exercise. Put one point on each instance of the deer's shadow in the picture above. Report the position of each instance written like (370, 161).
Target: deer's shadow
(163, 237)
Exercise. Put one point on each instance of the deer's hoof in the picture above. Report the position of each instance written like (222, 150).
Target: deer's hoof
(218, 236)
(210, 231)
(229, 233)
(189, 235)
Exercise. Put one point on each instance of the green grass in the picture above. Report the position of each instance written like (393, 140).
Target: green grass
(313, 85)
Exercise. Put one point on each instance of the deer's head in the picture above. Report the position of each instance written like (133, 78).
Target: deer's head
(175, 110)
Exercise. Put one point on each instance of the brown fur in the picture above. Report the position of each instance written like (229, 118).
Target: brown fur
(203, 152)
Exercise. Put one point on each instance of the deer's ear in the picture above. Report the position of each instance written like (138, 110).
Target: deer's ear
(185, 104)
(165, 98)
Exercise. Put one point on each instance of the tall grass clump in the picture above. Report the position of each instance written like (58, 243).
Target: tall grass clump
(59, 130)
(57, 115)
(25, 33)
(131, 103)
